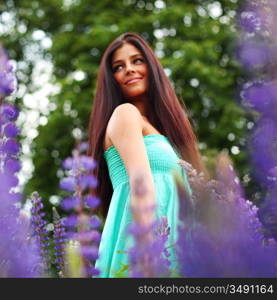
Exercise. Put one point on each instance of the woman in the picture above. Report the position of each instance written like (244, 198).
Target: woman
(137, 126)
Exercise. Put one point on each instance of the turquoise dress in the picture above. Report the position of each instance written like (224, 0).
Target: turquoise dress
(163, 159)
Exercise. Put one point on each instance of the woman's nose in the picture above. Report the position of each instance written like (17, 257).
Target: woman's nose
(129, 68)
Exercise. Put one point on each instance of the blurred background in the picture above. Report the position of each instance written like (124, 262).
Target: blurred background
(56, 46)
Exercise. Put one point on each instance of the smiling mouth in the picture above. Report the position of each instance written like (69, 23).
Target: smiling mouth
(132, 81)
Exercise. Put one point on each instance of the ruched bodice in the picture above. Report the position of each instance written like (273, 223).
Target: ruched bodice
(163, 158)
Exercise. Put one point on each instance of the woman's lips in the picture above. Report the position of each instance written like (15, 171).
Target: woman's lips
(132, 81)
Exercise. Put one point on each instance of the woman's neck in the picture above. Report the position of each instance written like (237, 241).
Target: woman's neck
(141, 104)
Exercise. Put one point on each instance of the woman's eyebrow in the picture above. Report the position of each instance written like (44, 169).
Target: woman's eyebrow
(131, 56)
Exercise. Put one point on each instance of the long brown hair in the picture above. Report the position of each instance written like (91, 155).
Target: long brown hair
(166, 113)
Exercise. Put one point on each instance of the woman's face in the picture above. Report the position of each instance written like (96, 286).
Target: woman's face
(130, 71)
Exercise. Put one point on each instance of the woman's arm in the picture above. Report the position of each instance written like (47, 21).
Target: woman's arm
(125, 131)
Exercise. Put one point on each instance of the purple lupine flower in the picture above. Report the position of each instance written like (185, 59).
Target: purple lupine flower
(68, 163)
(8, 112)
(263, 148)
(90, 252)
(19, 255)
(250, 21)
(10, 147)
(83, 163)
(10, 130)
(223, 236)
(81, 227)
(92, 201)
(71, 221)
(14, 236)
(13, 180)
(7, 76)
(227, 179)
(87, 181)
(88, 163)
(68, 184)
(87, 236)
(268, 214)
(40, 232)
(148, 257)
(94, 222)
(272, 177)
(59, 240)
(260, 96)
(162, 231)
(70, 202)
(93, 271)
(12, 165)
(253, 54)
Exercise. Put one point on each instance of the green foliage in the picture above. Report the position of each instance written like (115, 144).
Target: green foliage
(194, 43)
(122, 272)
(74, 264)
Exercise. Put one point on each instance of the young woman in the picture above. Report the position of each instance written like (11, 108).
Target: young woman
(137, 126)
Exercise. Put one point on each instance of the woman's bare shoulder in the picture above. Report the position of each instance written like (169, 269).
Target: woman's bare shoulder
(122, 116)
(126, 134)
(126, 109)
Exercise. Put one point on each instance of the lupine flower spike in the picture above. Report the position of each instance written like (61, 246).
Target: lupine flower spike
(19, 255)
(7, 76)
(41, 234)
(59, 240)
(259, 95)
(221, 235)
(81, 226)
(148, 257)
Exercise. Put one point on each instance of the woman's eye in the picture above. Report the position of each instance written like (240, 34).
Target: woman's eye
(117, 68)
(138, 59)
(135, 61)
